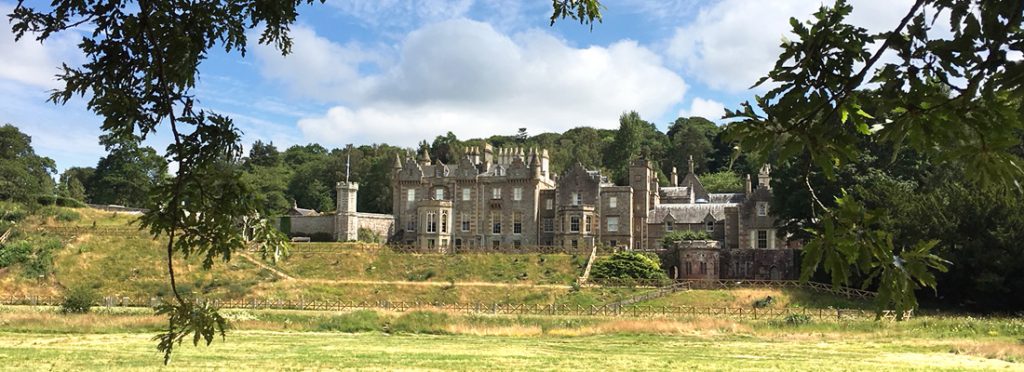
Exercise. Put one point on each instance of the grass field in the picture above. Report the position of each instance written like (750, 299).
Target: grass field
(41, 339)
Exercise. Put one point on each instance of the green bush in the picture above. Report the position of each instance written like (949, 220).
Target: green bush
(724, 181)
(78, 300)
(12, 212)
(421, 275)
(626, 265)
(764, 302)
(421, 322)
(356, 321)
(684, 235)
(797, 319)
(59, 201)
(15, 253)
(368, 236)
(59, 213)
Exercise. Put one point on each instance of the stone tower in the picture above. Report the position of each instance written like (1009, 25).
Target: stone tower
(346, 220)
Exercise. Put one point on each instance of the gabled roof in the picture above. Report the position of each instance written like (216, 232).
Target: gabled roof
(688, 213)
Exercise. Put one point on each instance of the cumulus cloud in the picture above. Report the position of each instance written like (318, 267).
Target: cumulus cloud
(705, 108)
(466, 77)
(33, 63)
(732, 43)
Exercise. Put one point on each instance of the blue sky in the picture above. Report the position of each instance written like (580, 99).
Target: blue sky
(402, 71)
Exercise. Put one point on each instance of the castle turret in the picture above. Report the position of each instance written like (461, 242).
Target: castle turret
(397, 165)
(425, 157)
(346, 220)
(764, 177)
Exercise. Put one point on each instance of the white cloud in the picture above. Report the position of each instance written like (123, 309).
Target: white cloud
(32, 63)
(705, 108)
(464, 76)
(733, 43)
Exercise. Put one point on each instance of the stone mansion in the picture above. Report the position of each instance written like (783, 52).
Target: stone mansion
(508, 197)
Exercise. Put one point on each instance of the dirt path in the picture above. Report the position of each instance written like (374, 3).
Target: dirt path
(262, 265)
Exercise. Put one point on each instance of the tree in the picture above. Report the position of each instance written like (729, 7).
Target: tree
(263, 155)
(722, 181)
(74, 178)
(127, 175)
(144, 61)
(23, 174)
(952, 100)
(692, 137)
(446, 149)
(626, 145)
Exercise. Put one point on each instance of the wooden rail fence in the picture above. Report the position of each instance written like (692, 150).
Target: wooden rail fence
(738, 283)
(481, 308)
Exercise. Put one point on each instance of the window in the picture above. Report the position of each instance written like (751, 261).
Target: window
(517, 193)
(458, 243)
(439, 194)
(549, 224)
(703, 268)
(495, 244)
(431, 222)
(668, 226)
(517, 244)
(575, 243)
(613, 224)
(549, 204)
(496, 193)
(444, 222)
(586, 223)
(430, 243)
(710, 227)
(465, 221)
(762, 239)
(689, 268)
(574, 224)
(577, 199)
(410, 226)
(613, 243)
(762, 209)
(410, 198)
(496, 222)
(517, 223)
(465, 194)
(613, 202)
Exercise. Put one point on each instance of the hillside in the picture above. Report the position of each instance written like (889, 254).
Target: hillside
(64, 247)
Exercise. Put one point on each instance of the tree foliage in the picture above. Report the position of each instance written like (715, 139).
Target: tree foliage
(23, 174)
(951, 100)
(628, 265)
(126, 175)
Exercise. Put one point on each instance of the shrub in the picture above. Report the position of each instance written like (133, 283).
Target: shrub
(421, 322)
(356, 321)
(797, 319)
(15, 252)
(78, 300)
(684, 235)
(368, 236)
(12, 212)
(59, 213)
(422, 275)
(724, 181)
(627, 265)
(764, 302)
(60, 201)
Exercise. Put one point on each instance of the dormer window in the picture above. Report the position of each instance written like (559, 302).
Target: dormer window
(762, 209)
(710, 226)
(439, 194)
(668, 226)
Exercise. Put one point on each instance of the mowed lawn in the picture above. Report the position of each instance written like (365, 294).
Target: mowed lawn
(266, 350)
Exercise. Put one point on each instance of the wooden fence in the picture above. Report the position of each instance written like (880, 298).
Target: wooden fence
(738, 283)
(611, 310)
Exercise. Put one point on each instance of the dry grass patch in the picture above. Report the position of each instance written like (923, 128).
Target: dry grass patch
(82, 323)
(484, 330)
(1002, 350)
(696, 327)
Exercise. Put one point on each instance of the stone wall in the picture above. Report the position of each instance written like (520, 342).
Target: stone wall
(382, 224)
(698, 259)
(761, 264)
(309, 225)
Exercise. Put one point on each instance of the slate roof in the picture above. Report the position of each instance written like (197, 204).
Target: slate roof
(689, 213)
(675, 192)
(732, 197)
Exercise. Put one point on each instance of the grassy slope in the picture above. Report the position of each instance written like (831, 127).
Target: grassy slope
(787, 297)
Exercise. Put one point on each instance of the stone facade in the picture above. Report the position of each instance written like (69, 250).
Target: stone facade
(508, 197)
